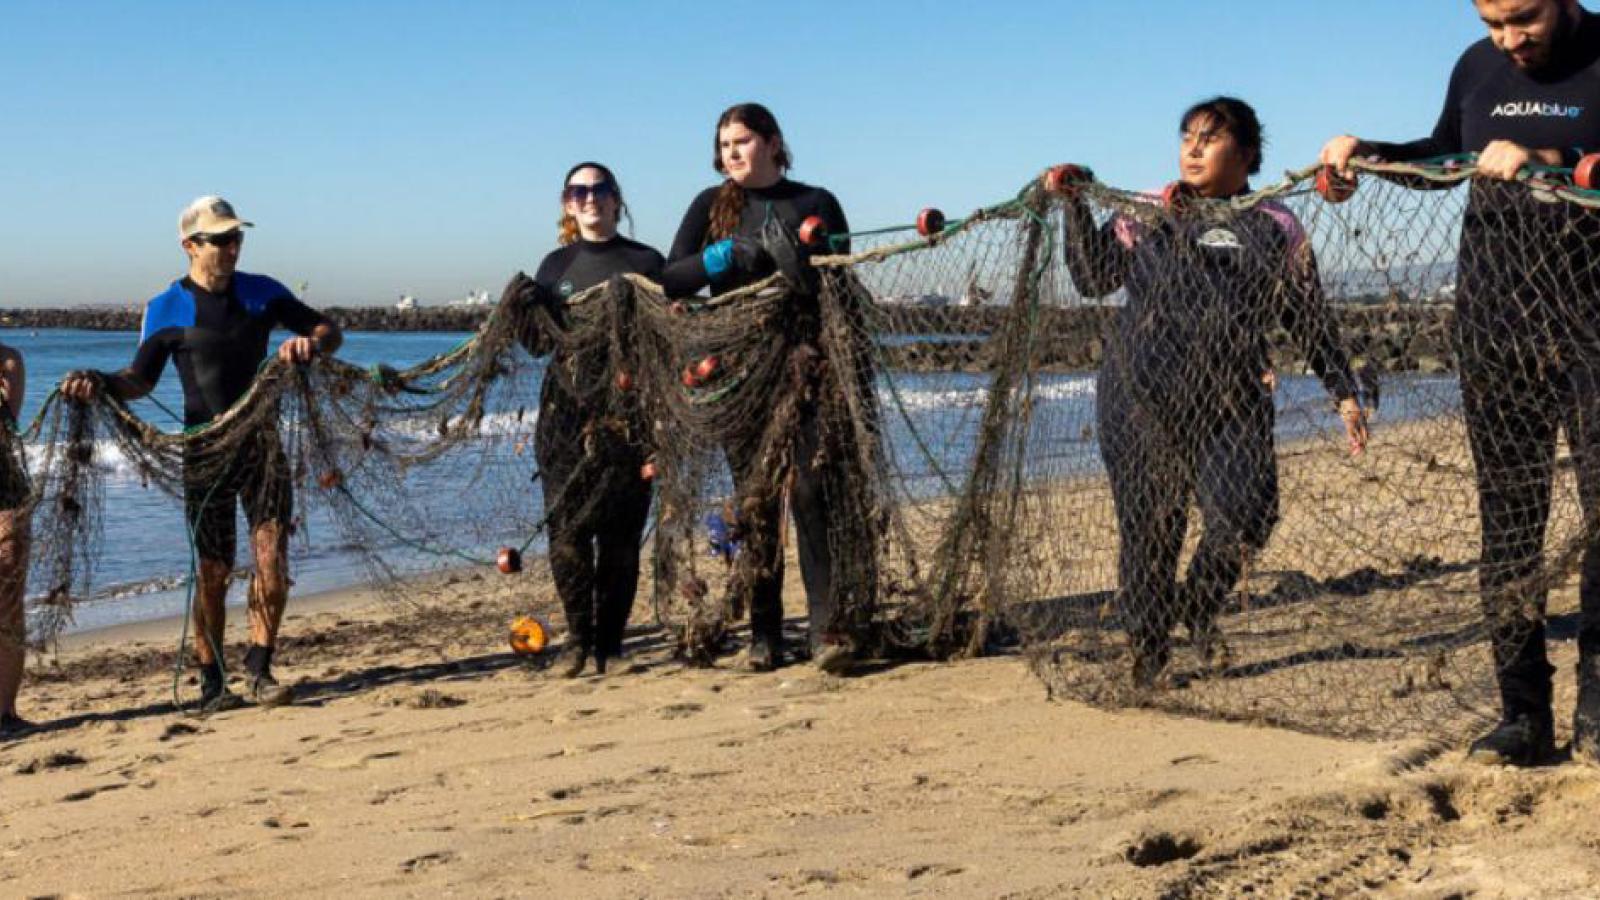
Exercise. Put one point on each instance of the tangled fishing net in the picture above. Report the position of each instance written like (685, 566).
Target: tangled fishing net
(1079, 422)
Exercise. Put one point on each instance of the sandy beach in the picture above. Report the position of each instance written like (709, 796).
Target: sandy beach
(426, 760)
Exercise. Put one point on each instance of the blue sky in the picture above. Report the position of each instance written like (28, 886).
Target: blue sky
(383, 147)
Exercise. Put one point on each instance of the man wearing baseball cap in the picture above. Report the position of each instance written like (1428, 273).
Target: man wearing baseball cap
(214, 324)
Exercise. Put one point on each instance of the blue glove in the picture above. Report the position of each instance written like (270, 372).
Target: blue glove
(718, 258)
(723, 543)
(736, 258)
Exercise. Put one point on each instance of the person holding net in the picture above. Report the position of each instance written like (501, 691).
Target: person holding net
(726, 241)
(590, 437)
(1525, 337)
(14, 533)
(214, 324)
(1183, 408)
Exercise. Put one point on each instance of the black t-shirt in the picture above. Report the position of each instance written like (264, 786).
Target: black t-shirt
(217, 341)
(790, 202)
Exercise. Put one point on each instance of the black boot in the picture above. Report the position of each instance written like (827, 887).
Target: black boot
(573, 657)
(1586, 717)
(765, 653)
(1526, 733)
(1525, 739)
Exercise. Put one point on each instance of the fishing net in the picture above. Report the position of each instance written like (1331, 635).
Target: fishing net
(1096, 424)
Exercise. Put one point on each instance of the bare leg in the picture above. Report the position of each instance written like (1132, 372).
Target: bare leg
(13, 582)
(269, 591)
(209, 613)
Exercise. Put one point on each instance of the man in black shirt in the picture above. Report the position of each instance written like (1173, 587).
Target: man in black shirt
(214, 324)
(1529, 94)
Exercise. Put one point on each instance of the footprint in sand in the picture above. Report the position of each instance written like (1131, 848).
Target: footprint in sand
(177, 730)
(86, 793)
(427, 861)
(62, 759)
(680, 710)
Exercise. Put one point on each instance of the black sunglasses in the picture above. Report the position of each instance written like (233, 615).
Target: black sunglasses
(225, 239)
(580, 193)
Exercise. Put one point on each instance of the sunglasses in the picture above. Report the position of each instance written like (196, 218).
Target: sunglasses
(226, 239)
(580, 193)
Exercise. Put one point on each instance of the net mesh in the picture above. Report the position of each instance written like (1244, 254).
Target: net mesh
(1096, 424)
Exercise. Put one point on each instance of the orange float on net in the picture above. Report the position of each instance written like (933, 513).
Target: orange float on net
(930, 222)
(1177, 195)
(813, 231)
(647, 472)
(624, 381)
(690, 379)
(1333, 187)
(1064, 178)
(529, 635)
(508, 560)
(706, 368)
(1586, 174)
(330, 479)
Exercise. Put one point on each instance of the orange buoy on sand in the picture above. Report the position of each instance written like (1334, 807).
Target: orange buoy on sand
(529, 635)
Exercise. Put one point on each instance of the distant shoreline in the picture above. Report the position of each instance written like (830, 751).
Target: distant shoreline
(356, 318)
(1413, 338)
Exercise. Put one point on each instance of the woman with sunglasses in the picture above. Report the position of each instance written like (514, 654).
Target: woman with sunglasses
(589, 457)
(14, 494)
(722, 244)
(1183, 400)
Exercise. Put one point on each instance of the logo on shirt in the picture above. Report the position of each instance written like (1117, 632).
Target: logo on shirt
(1522, 109)
(564, 288)
(1220, 239)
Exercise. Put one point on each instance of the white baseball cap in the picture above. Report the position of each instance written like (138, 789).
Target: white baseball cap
(209, 215)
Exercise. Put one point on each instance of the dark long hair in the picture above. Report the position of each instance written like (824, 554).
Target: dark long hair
(729, 202)
(567, 224)
(1238, 118)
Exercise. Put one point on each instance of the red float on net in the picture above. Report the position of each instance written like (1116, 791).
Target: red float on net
(1333, 187)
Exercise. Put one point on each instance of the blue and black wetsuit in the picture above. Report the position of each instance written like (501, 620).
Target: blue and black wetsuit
(1527, 334)
(218, 342)
(1180, 401)
(590, 455)
(789, 203)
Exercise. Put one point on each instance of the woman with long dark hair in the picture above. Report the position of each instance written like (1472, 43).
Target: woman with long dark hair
(589, 455)
(722, 244)
(1183, 399)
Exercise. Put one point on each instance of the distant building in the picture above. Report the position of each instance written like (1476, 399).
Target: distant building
(407, 303)
(473, 298)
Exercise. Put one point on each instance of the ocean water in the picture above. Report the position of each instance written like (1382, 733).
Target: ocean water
(931, 422)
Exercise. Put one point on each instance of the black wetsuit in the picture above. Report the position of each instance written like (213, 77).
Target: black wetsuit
(1181, 406)
(1527, 308)
(218, 342)
(590, 456)
(790, 203)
